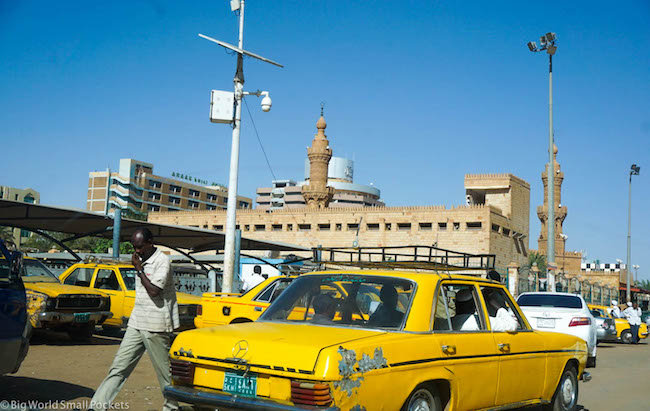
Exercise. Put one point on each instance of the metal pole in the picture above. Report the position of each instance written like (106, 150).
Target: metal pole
(551, 173)
(231, 216)
(117, 227)
(629, 238)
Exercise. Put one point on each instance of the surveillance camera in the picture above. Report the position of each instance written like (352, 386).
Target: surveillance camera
(266, 102)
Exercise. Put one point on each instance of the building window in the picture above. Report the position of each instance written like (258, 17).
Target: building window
(211, 197)
(304, 227)
(260, 227)
(193, 204)
(353, 226)
(217, 227)
(495, 228)
(174, 189)
(243, 204)
(247, 227)
(211, 207)
(174, 200)
(276, 227)
(323, 227)
(403, 226)
(289, 227)
(442, 226)
(194, 193)
(426, 226)
(155, 184)
(339, 227)
(372, 227)
(475, 225)
(388, 226)
(505, 232)
(153, 208)
(456, 226)
(154, 196)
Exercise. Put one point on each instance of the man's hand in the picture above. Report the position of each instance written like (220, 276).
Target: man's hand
(136, 261)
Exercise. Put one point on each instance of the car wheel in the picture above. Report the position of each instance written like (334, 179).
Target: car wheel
(626, 337)
(566, 394)
(591, 362)
(83, 333)
(423, 398)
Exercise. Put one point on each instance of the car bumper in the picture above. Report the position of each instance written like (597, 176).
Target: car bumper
(53, 318)
(215, 398)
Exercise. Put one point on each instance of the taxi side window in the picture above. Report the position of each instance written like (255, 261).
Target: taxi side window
(107, 280)
(458, 308)
(503, 316)
(81, 276)
(265, 296)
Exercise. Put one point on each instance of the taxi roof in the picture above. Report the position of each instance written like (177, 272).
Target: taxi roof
(411, 275)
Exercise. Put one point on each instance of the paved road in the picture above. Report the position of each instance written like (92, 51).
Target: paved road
(57, 369)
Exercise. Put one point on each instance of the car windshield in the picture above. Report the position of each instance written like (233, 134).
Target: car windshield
(549, 300)
(349, 300)
(128, 275)
(35, 272)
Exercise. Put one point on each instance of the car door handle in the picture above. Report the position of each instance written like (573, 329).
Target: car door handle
(258, 308)
(504, 347)
(449, 349)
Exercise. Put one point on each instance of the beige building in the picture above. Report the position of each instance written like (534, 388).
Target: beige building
(136, 188)
(495, 221)
(27, 195)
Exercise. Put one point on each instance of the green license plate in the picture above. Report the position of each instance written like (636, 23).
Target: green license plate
(81, 317)
(239, 384)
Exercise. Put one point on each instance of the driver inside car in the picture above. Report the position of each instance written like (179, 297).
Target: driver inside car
(324, 309)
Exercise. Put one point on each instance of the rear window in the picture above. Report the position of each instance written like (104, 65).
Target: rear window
(540, 300)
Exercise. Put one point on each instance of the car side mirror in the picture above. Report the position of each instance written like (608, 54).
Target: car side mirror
(16, 266)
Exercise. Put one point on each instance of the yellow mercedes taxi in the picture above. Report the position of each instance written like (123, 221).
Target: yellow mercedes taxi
(434, 341)
(232, 308)
(61, 307)
(623, 331)
(117, 279)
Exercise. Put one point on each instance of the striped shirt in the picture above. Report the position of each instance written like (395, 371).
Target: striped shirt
(160, 313)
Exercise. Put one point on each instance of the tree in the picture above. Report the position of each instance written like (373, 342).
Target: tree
(7, 234)
(645, 284)
(535, 257)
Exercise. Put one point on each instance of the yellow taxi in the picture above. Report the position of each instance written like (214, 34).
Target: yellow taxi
(232, 308)
(623, 332)
(433, 341)
(117, 279)
(62, 307)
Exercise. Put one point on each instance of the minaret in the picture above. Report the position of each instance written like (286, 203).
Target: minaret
(560, 210)
(317, 194)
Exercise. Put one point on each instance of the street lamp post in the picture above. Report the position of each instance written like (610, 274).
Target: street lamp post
(634, 171)
(547, 42)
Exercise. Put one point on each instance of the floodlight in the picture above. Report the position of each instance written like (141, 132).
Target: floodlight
(550, 37)
(532, 46)
(635, 169)
(234, 5)
(551, 49)
(542, 41)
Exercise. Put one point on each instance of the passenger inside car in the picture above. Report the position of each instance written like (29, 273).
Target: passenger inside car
(387, 315)
(502, 318)
(324, 309)
(466, 315)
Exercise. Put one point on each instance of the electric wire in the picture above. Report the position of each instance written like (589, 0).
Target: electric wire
(268, 163)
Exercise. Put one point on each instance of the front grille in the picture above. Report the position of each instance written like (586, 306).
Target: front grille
(182, 372)
(310, 393)
(73, 301)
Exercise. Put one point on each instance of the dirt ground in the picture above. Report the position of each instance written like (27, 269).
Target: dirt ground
(67, 373)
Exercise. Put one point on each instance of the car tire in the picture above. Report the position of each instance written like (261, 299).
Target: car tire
(627, 337)
(424, 398)
(83, 333)
(591, 362)
(566, 393)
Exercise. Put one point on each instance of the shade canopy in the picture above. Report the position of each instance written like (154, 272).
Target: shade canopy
(80, 223)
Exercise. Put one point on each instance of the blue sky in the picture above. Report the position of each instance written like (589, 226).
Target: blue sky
(420, 93)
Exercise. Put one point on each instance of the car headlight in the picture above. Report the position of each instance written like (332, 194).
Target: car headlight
(36, 302)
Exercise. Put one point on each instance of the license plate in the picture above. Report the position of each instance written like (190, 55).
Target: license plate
(546, 323)
(81, 317)
(239, 384)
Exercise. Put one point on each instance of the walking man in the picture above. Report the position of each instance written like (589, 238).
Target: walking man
(633, 315)
(154, 317)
